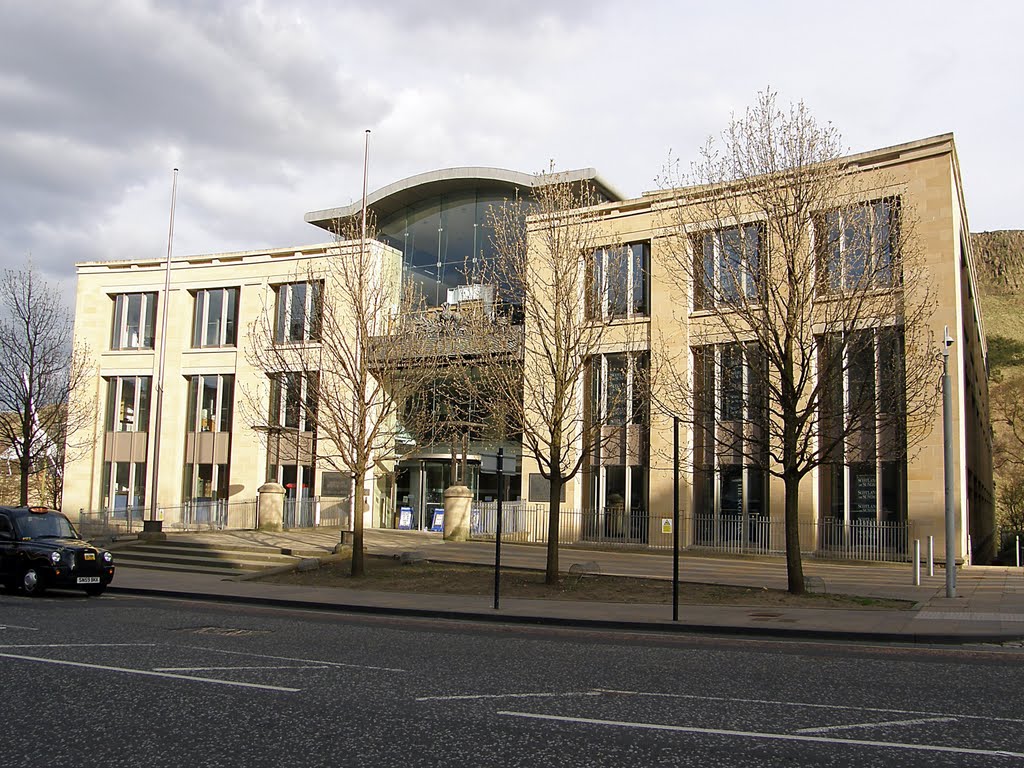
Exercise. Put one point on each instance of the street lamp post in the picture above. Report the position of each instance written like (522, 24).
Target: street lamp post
(947, 466)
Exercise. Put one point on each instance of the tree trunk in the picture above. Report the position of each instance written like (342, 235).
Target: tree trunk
(554, 517)
(358, 565)
(26, 471)
(794, 564)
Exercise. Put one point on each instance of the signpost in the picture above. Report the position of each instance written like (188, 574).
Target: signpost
(675, 518)
(497, 532)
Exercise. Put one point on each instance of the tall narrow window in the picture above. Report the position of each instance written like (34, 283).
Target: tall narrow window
(299, 312)
(293, 400)
(857, 246)
(127, 404)
(730, 447)
(862, 428)
(123, 488)
(619, 280)
(619, 466)
(208, 443)
(210, 402)
(216, 318)
(134, 321)
(728, 265)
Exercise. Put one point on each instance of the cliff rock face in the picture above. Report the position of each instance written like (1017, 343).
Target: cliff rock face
(999, 258)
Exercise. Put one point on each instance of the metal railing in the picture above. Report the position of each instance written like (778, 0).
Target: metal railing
(212, 514)
(615, 527)
(828, 538)
(110, 523)
(299, 513)
(606, 527)
(863, 540)
(735, 534)
(205, 515)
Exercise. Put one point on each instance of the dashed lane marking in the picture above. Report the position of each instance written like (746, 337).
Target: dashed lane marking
(465, 697)
(226, 669)
(766, 736)
(850, 707)
(289, 658)
(883, 724)
(80, 645)
(148, 673)
(15, 626)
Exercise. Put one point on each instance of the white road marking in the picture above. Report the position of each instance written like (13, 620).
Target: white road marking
(15, 626)
(289, 658)
(507, 696)
(916, 721)
(221, 669)
(148, 673)
(814, 706)
(767, 736)
(81, 645)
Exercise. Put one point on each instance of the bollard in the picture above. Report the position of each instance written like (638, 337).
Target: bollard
(1018, 551)
(917, 562)
(967, 558)
(931, 555)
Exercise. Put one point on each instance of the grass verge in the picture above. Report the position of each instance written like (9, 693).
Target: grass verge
(389, 575)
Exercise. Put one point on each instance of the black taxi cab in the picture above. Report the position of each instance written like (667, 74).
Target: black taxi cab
(40, 548)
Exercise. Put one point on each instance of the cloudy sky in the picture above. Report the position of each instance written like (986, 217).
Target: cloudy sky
(262, 105)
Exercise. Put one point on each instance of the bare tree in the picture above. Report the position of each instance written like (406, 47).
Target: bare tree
(1008, 422)
(342, 361)
(39, 370)
(546, 265)
(808, 336)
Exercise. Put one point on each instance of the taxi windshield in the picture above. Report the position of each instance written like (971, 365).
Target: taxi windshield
(48, 525)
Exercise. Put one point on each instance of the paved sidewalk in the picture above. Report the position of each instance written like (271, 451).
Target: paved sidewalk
(989, 606)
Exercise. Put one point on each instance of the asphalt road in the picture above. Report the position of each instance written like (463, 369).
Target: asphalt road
(129, 681)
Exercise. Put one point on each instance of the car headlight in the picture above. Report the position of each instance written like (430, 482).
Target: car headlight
(107, 557)
(55, 557)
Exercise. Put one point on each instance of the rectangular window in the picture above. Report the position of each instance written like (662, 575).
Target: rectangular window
(727, 265)
(215, 319)
(123, 488)
(134, 321)
(730, 453)
(619, 282)
(293, 400)
(857, 246)
(299, 312)
(210, 402)
(127, 404)
(862, 429)
(619, 465)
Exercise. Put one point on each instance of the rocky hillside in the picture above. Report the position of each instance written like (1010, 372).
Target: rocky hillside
(999, 257)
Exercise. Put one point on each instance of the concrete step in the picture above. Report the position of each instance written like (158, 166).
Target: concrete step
(166, 549)
(201, 557)
(153, 565)
(232, 563)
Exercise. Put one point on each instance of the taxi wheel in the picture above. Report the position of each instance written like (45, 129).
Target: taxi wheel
(32, 582)
(95, 591)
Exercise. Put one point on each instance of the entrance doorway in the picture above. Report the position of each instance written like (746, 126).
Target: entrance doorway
(419, 490)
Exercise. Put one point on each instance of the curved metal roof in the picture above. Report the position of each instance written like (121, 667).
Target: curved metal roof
(392, 198)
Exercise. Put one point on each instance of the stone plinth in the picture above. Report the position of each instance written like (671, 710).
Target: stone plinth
(271, 507)
(458, 502)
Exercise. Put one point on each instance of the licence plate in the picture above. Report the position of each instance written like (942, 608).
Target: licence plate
(88, 579)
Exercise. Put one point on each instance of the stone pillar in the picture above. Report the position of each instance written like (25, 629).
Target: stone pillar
(271, 506)
(458, 503)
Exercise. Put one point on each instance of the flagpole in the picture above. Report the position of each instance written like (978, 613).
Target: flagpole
(154, 524)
